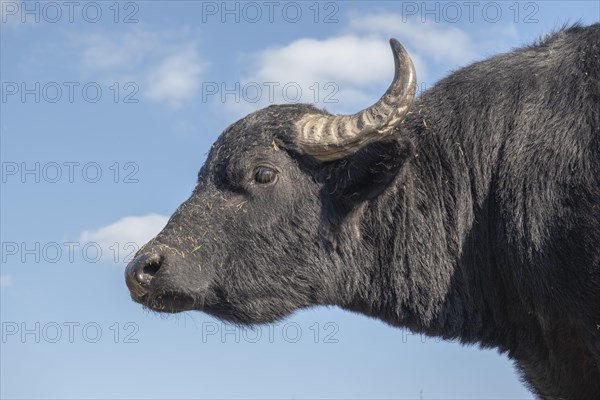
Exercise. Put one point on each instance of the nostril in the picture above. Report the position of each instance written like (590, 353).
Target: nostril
(143, 268)
(152, 267)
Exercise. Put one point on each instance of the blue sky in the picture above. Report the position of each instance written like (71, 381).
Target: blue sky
(107, 112)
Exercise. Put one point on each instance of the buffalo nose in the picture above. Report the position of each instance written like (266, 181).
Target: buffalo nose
(140, 272)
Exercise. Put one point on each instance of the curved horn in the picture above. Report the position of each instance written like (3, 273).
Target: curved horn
(332, 137)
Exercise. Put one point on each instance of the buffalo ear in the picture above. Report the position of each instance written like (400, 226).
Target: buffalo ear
(366, 174)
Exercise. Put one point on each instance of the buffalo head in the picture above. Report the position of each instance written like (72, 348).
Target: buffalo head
(279, 218)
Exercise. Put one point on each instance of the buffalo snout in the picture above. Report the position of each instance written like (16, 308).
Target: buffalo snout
(140, 272)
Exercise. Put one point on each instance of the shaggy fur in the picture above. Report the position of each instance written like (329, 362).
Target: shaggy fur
(479, 219)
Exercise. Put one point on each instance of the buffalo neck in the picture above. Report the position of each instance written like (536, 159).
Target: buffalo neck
(431, 242)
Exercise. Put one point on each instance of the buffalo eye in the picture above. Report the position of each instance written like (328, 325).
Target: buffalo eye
(265, 175)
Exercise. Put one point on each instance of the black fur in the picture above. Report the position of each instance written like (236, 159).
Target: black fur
(479, 220)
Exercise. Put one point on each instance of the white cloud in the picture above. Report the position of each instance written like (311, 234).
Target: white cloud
(177, 78)
(359, 62)
(327, 71)
(5, 281)
(435, 42)
(136, 230)
(166, 65)
(343, 57)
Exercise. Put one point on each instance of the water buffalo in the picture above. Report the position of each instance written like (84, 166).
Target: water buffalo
(471, 214)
